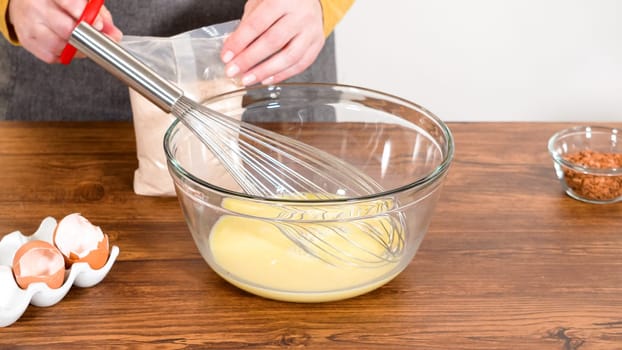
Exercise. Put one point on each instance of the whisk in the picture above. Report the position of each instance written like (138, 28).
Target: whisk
(374, 240)
(262, 162)
(255, 157)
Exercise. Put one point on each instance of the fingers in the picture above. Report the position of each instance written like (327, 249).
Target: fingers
(41, 27)
(61, 20)
(285, 64)
(73, 8)
(108, 26)
(275, 40)
(249, 7)
(103, 22)
(44, 27)
(289, 60)
(272, 41)
(253, 24)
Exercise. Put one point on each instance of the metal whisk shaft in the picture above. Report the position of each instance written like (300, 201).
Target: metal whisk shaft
(267, 164)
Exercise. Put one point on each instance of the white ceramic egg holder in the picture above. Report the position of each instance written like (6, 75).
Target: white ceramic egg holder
(14, 300)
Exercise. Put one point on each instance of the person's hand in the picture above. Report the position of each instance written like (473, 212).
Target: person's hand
(43, 27)
(276, 39)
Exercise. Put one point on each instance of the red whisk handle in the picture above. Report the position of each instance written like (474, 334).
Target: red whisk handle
(88, 15)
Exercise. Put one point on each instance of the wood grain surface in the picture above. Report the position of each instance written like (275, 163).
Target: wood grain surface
(509, 262)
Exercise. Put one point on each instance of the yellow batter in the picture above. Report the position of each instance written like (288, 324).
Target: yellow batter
(257, 256)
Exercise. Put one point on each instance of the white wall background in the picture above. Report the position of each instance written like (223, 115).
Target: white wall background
(489, 60)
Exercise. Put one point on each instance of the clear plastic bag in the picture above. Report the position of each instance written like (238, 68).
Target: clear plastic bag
(192, 61)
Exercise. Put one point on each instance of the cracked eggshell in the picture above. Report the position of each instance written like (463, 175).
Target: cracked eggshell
(14, 300)
(80, 241)
(38, 261)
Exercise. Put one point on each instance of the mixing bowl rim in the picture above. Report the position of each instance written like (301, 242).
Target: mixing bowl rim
(581, 129)
(421, 182)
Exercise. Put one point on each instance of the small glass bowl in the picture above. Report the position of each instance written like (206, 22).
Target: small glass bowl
(588, 163)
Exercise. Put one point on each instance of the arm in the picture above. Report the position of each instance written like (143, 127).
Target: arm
(277, 39)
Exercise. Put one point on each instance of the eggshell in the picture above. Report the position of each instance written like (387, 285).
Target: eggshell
(14, 300)
(80, 241)
(38, 261)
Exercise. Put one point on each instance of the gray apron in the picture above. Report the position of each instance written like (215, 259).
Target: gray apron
(33, 90)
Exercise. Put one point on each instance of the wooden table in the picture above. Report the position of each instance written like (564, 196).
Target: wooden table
(509, 262)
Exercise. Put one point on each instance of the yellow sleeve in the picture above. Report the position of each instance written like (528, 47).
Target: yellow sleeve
(5, 27)
(333, 11)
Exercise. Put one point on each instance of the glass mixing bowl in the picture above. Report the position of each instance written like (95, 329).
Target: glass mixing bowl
(316, 250)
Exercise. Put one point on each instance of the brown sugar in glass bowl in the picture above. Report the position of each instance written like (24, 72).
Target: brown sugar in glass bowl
(588, 163)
